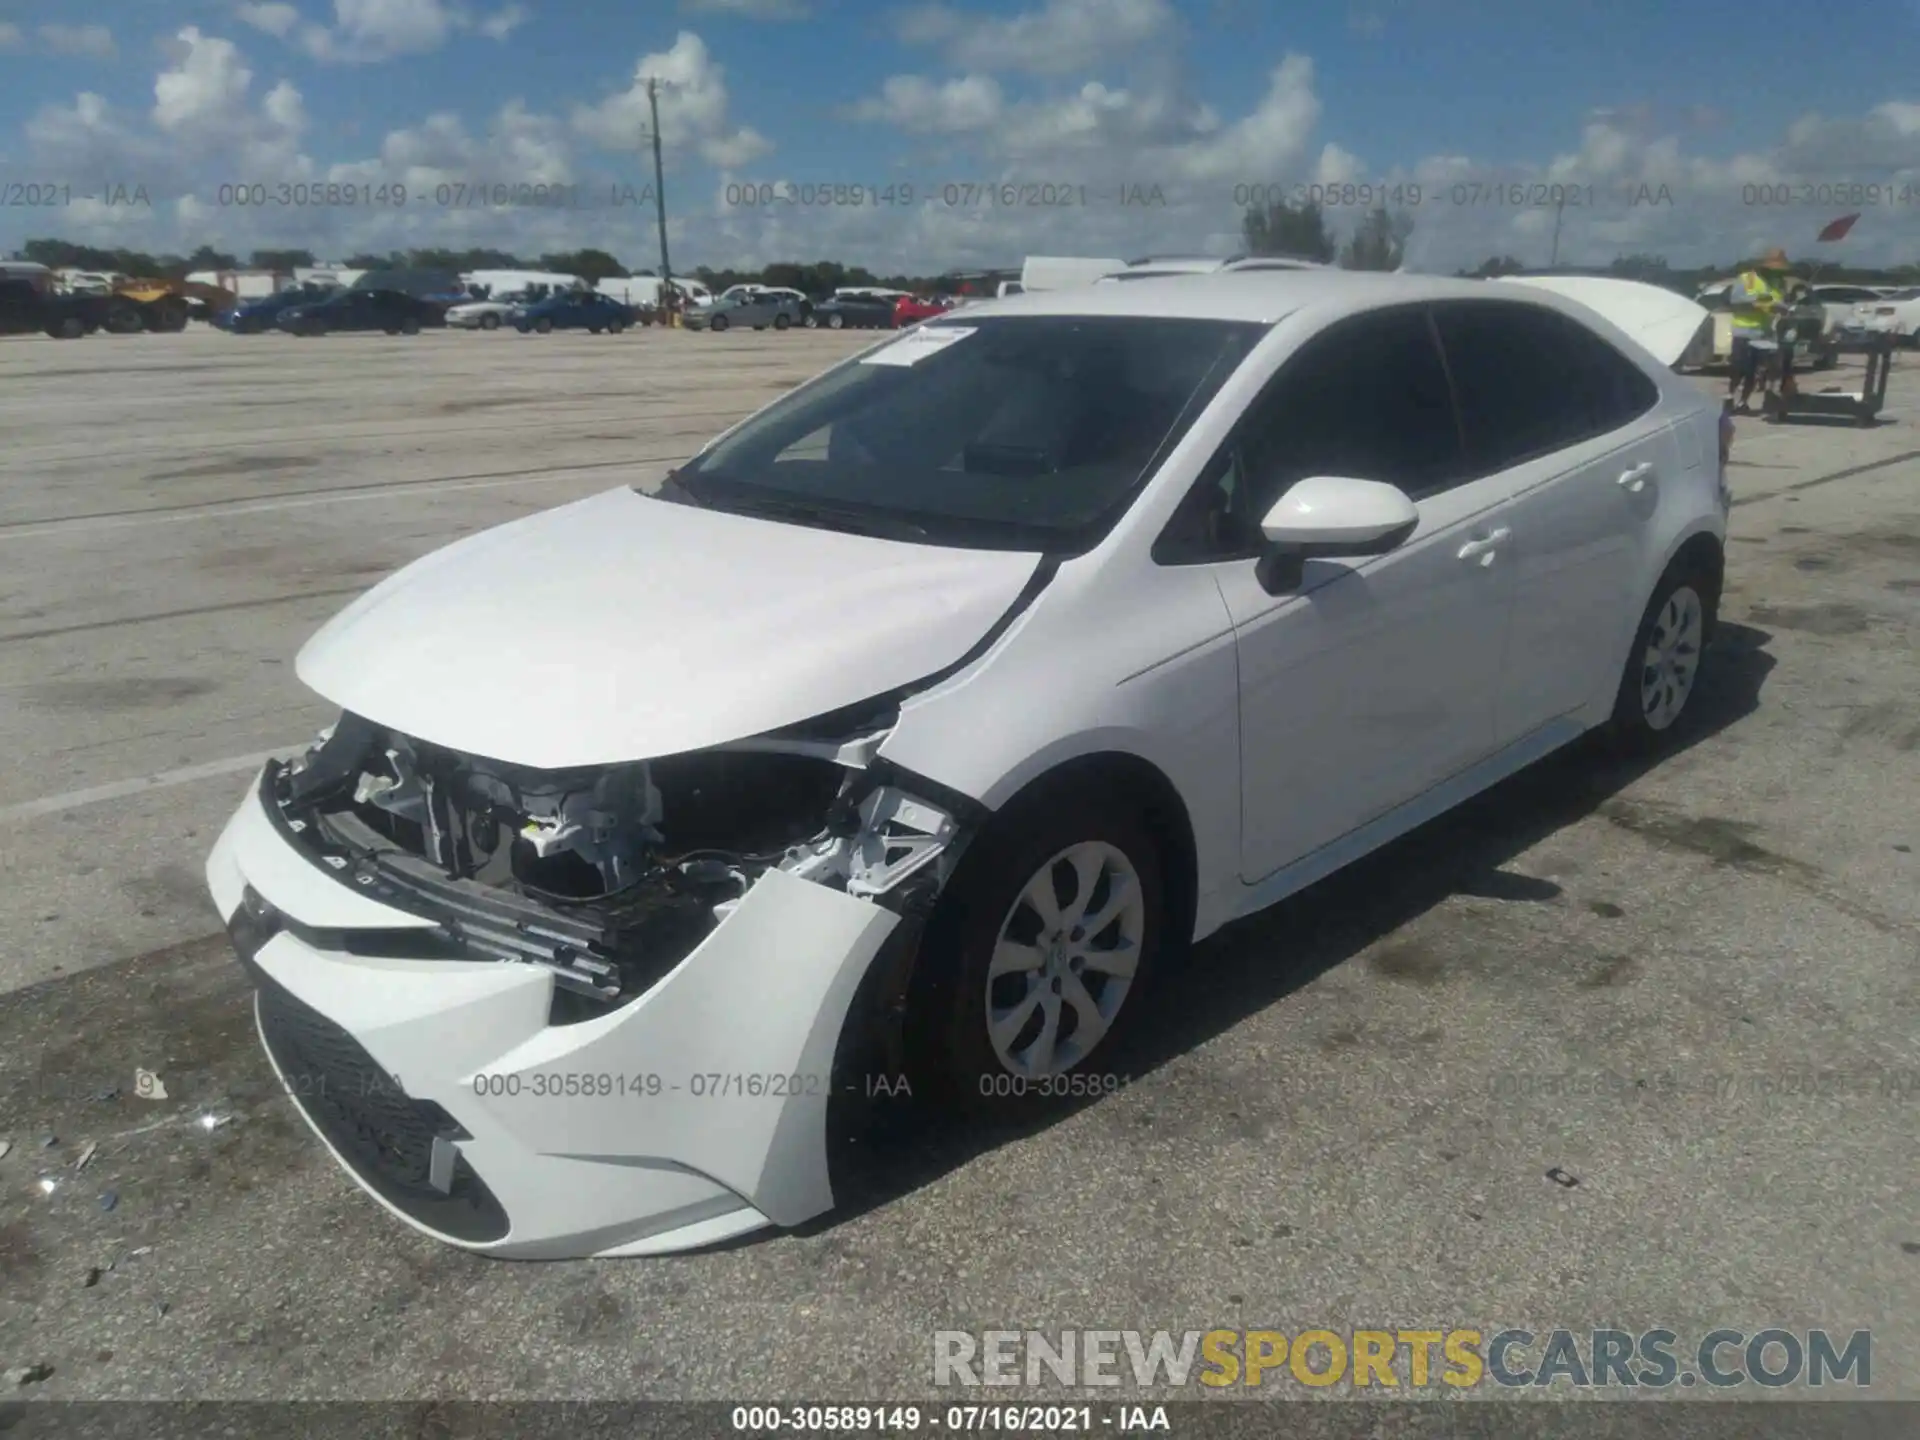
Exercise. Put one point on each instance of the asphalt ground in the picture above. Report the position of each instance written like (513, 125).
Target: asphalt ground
(1691, 990)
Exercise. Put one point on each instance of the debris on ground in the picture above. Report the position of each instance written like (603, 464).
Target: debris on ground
(215, 1122)
(47, 1142)
(160, 1309)
(5, 1147)
(94, 1272)
(1561, 1178)
(109, 1199)
(142, 1250)
(112, 1092)
(86, 1155)
(148, 1086)
(28, 1375)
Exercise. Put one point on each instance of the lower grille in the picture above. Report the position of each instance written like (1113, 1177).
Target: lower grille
(383, 1134)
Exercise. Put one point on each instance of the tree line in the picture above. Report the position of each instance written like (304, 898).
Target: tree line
(1378, 242)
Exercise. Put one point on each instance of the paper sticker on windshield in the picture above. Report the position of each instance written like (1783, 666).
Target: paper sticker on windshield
(911, 349)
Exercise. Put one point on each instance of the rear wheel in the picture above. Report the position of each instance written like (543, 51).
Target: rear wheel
(1663, 667)
(124, 319)
(70, 327)
(781, 322)
(836, 322)
(544, 325)
(489, 322)
(717, 324)
(1046, 937)
(410, 326)
(614, 327)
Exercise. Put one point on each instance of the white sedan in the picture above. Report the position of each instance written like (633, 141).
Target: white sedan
(909, 728)
(486, 314)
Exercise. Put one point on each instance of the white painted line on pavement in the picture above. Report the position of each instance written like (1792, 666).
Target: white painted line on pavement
(121, 789)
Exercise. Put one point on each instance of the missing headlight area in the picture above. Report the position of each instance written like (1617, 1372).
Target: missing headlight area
(608, 875)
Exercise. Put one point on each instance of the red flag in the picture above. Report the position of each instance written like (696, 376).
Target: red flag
(1837, 229)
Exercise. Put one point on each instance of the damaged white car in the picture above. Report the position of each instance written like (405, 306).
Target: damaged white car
(917, 717)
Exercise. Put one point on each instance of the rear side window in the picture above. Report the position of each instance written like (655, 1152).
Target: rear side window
(1530, 381)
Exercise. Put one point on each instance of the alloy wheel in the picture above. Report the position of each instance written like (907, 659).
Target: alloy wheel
(1672, 658)
(1065, 960)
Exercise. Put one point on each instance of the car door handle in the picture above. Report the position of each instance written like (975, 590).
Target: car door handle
(1487, 547)
(1635, 480)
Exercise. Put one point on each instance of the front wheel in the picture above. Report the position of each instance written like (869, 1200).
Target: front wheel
(717, 324)
(836, 322)
(1663, 667)
(614, 327)
(409, 326)
(781, 322)
(544, 325)
(489, 322)
(1046, 940)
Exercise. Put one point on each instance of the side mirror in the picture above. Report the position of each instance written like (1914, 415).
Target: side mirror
(1332, 517)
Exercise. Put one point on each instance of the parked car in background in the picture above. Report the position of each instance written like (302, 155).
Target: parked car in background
(576, 310)
(854, 312)
(490, 313)
(364, 310)
(1900, 310)
(758, 310)
(255, 317)
(912, 309)
(931, 711)
(29, 303)
(1852, 307)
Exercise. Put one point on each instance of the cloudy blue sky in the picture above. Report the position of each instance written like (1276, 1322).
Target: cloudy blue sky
(1695, 130)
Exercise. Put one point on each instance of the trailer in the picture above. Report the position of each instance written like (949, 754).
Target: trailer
(1785, 400)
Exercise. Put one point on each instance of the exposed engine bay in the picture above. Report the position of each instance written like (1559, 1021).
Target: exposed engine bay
(609, 875)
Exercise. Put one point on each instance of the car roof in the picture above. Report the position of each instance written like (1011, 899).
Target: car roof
(1258, 296)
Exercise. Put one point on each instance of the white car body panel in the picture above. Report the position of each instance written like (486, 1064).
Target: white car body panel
(622, 628)
(645, 660)
(1064, 272)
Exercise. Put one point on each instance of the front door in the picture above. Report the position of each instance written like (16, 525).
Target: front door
(1375, 678)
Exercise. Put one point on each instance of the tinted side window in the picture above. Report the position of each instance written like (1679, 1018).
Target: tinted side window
(1366, 400)
(1530, 381)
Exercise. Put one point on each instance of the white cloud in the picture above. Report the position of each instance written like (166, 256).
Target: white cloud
(93, 41)
(1061, 38)
(274, 19)
(749, 9)
(693, 110)
(502, 23)
(921, 106)
(11, 39)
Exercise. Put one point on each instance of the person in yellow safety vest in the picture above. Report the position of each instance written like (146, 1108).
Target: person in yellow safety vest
(1758, 296)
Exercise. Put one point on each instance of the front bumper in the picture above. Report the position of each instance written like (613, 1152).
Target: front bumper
(692, 1114)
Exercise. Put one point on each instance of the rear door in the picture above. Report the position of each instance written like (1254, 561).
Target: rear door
(1571, 428)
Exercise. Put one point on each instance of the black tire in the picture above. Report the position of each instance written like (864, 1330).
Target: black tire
(489, 322)
(1631, 730)
(717, 324)
(594, 329)
(410, 326)
(614, 327)
(544, 325)
(812, 322)
(781, 322)
(959, 1066)
(836, 322)
(70, 327)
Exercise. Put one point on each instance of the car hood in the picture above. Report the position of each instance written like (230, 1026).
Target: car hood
(624, 627)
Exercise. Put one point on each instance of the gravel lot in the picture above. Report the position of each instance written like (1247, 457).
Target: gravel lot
(1347, 1118)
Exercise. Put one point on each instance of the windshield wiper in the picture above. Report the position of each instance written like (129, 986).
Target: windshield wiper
(827, 517)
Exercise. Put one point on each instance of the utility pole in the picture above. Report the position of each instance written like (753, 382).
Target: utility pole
(659, 191)
(1555, 260)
